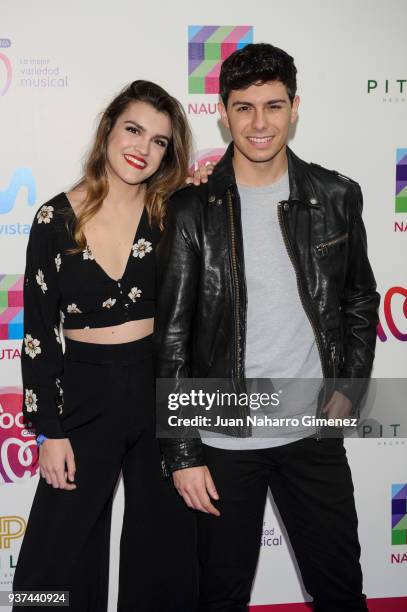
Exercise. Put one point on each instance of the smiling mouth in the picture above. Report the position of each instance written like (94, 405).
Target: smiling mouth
(136, 162)
(260, 140)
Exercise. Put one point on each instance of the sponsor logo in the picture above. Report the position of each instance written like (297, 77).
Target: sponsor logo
(388, 90)
(399, 514)
(395, 314)
(23, 182)
(401, 181)
(208, 47)
(11, 528)
(9, 353)
(30, 72)
(372, 428)
(6, 69)
(22, 178)
(11, 307)
(270, 537)
(18, 449)
(203, 108)
(200, 158)
(41, 73)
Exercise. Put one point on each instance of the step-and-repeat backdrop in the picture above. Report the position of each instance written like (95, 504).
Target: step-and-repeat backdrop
(61, 63)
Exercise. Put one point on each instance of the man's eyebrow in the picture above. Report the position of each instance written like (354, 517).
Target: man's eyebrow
(143, 129)
(273, 101)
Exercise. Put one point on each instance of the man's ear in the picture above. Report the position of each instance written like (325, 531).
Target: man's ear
(223, 115)
(294, 109)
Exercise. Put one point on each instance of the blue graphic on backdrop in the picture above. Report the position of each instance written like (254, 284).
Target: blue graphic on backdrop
(22, 178)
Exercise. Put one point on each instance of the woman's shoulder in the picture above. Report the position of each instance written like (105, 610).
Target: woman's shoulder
(51, 217)
(46, 212)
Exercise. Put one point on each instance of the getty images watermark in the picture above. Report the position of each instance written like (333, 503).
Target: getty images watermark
(277, 408)
(254, 401)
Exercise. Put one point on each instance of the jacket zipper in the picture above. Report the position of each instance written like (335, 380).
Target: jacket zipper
(334, 358)
(310, 318)
(235, 281)
(322, 249)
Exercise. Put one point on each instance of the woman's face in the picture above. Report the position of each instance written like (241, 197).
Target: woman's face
(138, 142)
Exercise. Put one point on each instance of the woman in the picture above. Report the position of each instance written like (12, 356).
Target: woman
(90, 266)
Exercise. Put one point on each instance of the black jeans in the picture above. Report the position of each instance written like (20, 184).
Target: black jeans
(109, 417)
(312, 487)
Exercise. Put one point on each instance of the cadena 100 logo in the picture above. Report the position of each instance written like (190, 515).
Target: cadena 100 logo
(18, 449)
(208, 47)
(395, 311)
(5, 62)
(205, 156)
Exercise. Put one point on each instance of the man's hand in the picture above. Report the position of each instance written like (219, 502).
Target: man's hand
(338, 407)
(201, 174)
(195, 485)
(57, 463)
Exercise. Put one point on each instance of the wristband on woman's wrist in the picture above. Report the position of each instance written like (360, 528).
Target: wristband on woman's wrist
(40, 439)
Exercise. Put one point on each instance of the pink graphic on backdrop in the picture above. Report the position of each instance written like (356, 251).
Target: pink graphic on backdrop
(9, 72)
(18, 450)
(389, 308)
(206, 155)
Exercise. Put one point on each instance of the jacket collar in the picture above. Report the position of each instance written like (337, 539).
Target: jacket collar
(301, 187)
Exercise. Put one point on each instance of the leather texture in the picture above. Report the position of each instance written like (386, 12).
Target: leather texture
(202, 298)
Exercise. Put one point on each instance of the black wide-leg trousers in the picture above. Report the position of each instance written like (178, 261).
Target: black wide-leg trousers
(109, 417)
(312, 487)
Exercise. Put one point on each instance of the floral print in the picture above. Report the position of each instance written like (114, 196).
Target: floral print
(30, 400)
(72, 308)
(134, 293)
(58, 286)
(32, 346)
(109, 303)
(45, 214)
(141, 248)
(40, 280)
(61, 393)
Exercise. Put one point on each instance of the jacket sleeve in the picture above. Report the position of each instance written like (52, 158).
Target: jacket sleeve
(41, 355)
(178, 278)
(359, 306)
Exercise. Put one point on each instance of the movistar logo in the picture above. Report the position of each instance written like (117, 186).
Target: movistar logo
(22, 178)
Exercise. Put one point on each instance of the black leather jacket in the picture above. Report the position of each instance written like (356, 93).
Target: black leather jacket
(201, 315)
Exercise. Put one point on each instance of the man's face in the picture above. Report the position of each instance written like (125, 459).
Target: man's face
(259, 118)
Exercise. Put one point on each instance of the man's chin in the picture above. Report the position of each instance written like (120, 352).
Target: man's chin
(260, 157)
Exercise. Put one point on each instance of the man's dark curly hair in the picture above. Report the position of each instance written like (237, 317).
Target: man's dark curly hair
(257, 63)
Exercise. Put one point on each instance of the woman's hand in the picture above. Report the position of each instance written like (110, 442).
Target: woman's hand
(57, 463)
(200, 174)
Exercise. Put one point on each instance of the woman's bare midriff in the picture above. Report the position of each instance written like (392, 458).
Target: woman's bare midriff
(116, 334)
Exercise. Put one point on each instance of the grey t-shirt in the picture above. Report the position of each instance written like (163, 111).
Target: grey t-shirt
(280, 342)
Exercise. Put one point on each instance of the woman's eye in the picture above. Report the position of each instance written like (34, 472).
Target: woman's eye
(132, 129)
(161, 143)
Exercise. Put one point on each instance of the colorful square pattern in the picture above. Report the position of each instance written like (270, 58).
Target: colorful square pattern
(401, 181)
(11, 306)
(399, 514)
(208, 47)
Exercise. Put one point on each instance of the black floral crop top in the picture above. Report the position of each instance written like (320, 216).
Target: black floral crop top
(75, 291)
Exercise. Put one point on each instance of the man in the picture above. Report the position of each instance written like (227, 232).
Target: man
(264, 274)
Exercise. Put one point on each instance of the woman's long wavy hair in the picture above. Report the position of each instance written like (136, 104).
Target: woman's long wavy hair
(168, 178)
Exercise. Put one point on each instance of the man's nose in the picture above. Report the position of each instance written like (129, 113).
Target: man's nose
(259, 120)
